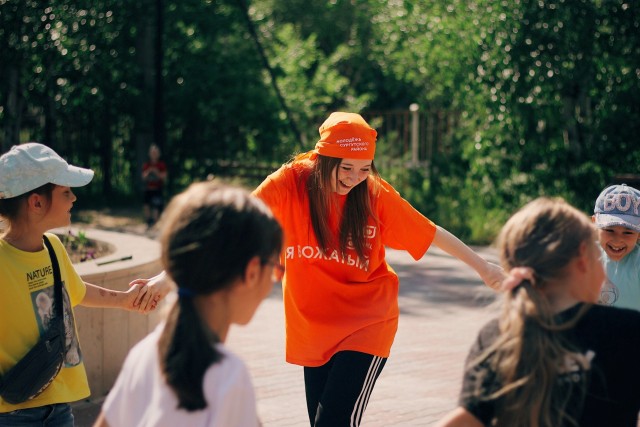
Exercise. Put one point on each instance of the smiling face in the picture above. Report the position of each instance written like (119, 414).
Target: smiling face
(348, 174)
(617, 241)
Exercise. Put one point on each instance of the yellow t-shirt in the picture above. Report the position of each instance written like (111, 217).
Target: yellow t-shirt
(334, 303)
(26, 307)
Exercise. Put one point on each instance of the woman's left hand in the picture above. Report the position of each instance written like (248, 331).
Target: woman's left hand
(493, 276)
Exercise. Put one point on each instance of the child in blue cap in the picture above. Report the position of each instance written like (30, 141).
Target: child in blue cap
(617, 217)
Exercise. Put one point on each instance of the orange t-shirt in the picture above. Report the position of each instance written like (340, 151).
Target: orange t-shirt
(333, 303)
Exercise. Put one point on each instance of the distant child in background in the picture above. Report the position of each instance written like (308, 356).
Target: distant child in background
(36, 196)
(552, 358)
(154, 175)
(220, 246)
(617, 217)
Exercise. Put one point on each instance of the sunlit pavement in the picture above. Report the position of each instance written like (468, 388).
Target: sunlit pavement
(443, 304)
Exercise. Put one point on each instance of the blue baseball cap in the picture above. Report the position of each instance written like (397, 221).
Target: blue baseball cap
(28, 166)
(618, 205)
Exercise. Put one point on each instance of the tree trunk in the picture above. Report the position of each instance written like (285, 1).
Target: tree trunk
(106, 152)
(13, 108)
(49, 104)
(143, 134)
(159, 131)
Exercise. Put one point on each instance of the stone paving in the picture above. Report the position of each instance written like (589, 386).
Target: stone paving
(443, 303)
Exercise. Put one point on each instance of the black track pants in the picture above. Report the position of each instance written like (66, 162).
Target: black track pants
(338, 391)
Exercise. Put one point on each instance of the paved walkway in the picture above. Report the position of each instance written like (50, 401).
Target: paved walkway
(442, 303)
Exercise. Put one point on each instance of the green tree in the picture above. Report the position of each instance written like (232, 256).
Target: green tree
(547, 72)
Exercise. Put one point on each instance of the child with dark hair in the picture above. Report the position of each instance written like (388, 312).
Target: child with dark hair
(553, 358)
(220, 246)
(36, 196)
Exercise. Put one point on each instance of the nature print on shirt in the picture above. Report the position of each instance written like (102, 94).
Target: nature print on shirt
(314, 252)
(42, 301)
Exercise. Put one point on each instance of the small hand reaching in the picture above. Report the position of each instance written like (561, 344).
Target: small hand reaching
(151, 292)
(131, 295)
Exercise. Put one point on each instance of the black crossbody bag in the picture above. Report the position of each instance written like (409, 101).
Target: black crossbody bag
(37, 369)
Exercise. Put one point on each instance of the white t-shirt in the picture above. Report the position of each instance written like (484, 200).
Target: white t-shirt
(141, 397)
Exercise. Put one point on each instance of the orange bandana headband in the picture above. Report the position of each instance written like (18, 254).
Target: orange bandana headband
(346, 136)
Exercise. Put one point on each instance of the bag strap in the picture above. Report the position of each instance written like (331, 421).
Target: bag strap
(58, 301)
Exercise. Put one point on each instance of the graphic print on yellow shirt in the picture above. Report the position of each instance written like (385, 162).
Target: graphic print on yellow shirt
(26, 308)
(42, 299)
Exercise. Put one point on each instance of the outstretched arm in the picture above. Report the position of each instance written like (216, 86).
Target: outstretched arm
(491, 274)
(97, 296)
(101, 421)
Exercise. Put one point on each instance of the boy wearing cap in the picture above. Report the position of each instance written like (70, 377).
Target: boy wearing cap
(617, 217)
(36, 196)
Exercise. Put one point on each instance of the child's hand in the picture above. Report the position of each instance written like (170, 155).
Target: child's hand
(152, 291)
(131, 295)
(493, 276)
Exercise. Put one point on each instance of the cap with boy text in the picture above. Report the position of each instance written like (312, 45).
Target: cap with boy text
(618, 205)
(28, 166)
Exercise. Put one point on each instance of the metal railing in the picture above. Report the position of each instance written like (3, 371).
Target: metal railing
(412, 137)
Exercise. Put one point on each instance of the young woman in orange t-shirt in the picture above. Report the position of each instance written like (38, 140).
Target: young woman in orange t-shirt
(340, 295)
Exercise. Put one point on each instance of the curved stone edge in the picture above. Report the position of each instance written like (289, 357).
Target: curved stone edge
(107, 335)
(143, 250)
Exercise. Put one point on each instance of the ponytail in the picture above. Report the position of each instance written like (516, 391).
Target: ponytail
(186, 350)
(210, 232)
(529, 356)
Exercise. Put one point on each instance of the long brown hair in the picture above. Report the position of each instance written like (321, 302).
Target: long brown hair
(357, 211)
(528, 356)
(210, 232)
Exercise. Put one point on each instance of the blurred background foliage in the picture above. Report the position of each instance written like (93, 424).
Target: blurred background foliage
(516, 98)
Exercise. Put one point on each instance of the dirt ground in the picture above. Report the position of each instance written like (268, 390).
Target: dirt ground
(113, 219)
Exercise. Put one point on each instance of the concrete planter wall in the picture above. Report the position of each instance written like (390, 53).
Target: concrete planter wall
(106, 335)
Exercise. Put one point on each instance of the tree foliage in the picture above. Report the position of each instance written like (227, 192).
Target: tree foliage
(546, 91)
